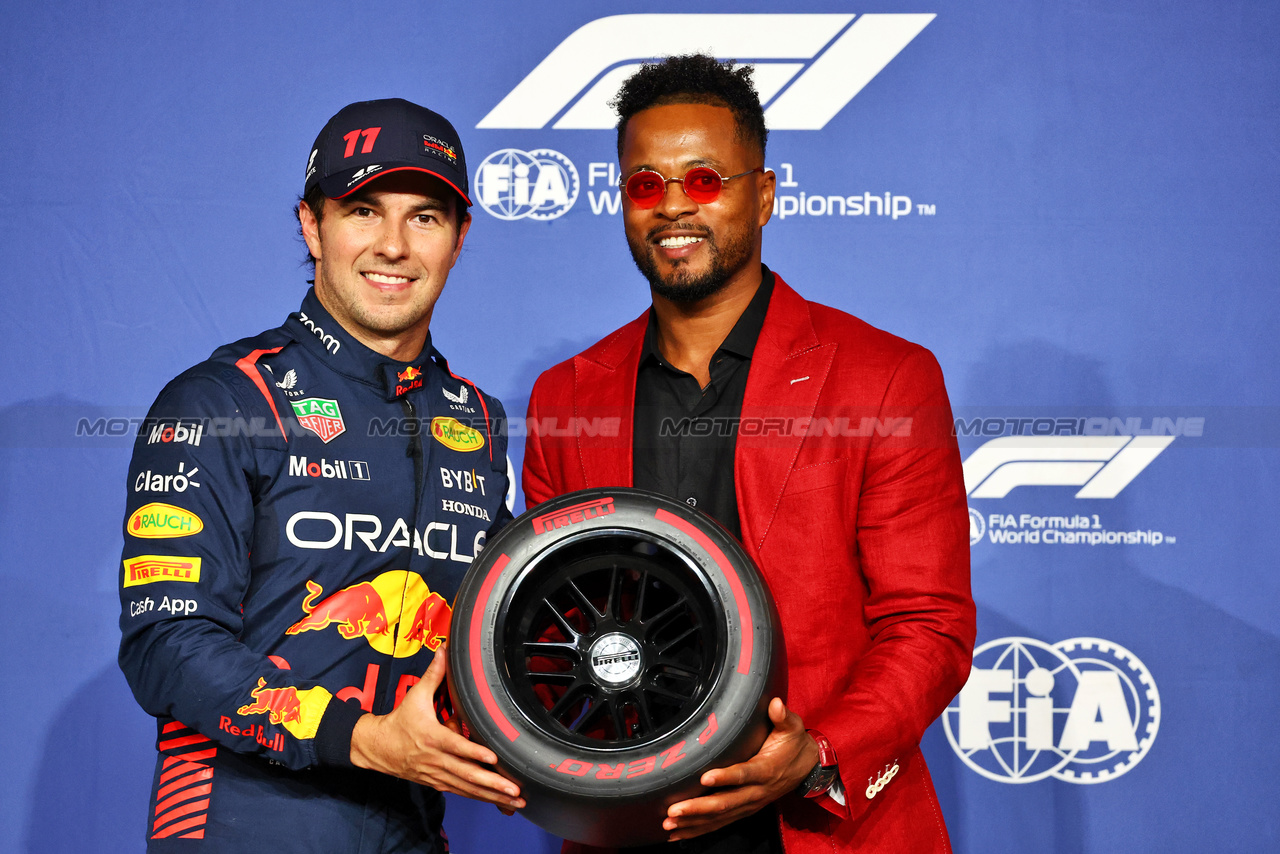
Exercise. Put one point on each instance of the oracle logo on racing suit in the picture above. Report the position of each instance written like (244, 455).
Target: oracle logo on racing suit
(308, 529)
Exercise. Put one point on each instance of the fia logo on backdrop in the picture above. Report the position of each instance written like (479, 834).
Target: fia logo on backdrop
(1083, 710)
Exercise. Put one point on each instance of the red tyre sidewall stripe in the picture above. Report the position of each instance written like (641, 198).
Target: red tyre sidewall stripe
(731, 575)
(473, 640)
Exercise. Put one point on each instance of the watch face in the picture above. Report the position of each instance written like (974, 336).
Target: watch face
(818, 781)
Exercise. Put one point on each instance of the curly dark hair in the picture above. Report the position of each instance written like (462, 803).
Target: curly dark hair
(694, 79)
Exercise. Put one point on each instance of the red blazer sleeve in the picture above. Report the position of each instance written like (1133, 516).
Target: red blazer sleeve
(913, 552)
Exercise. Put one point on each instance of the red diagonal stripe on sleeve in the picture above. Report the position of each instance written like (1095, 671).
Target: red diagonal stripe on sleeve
(172, 809)
(181, 769)
(202, 773)
(173, 725)
(182, 742)
(185, 824)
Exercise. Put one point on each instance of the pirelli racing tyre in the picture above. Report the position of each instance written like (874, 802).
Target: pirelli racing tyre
(610, 646)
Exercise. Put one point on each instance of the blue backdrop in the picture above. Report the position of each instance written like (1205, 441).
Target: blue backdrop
(1073, 204)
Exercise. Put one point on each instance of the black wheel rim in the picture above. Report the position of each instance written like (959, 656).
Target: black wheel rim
(611, 640)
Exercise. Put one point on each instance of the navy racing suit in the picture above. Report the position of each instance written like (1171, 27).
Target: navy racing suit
(301, 511)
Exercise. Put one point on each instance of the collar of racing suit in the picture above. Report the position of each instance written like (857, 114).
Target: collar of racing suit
(315, 329)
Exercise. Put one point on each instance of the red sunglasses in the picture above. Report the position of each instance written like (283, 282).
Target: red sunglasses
(701, 184)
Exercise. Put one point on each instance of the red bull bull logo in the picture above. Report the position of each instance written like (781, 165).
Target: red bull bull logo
(279, 704)
(357, 610)
(430, 625)
(298, 711)
(397, 613)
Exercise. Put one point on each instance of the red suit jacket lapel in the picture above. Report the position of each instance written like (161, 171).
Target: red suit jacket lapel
(788, 369)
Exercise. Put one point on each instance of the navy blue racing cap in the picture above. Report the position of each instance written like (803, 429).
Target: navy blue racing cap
(368, 139)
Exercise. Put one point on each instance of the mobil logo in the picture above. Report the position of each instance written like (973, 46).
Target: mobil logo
(397, 613)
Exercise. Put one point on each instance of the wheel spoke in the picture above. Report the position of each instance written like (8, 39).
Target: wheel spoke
(571, 695)
(665, 614)
(642, 709)
(614, 606)
(669, 644)
(555, 650)
(674, 669)
(619, 722)
(654, 688)
(644, 587)
(569, 630)
(562, 677)
(583, 602)
(589, 714)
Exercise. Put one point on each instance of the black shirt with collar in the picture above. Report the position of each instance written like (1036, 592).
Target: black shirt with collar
(685, 435)
(683, 447)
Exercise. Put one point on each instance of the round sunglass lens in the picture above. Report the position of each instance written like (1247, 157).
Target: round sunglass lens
(645, 188)
(702, 184)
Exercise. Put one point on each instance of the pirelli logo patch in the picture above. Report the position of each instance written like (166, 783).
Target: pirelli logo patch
(145, 569)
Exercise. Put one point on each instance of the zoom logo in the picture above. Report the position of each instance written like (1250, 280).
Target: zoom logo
(539, 184)
(807, 67)
(1083, 710)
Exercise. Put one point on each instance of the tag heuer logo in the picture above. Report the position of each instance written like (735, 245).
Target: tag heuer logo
(320, 416)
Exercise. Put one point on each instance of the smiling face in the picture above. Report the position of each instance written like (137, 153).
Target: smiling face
(689, 251)
(382, 256)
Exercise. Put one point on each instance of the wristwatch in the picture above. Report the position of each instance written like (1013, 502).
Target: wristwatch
(824, 773)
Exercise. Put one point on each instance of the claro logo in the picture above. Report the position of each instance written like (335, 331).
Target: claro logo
(807, 67)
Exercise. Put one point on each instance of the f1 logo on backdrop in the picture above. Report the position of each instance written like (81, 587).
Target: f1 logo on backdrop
(807, 67)
(1083, 710)
(1100, 465)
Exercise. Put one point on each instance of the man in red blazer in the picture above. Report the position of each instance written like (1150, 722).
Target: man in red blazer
(842, 478)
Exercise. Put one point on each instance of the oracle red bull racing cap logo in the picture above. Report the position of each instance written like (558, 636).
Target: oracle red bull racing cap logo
(397, 613)
(321, 416)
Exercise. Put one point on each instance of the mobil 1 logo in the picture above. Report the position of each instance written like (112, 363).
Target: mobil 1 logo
(330, 469)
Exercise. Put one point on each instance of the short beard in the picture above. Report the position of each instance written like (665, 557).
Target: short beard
(689, 288)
